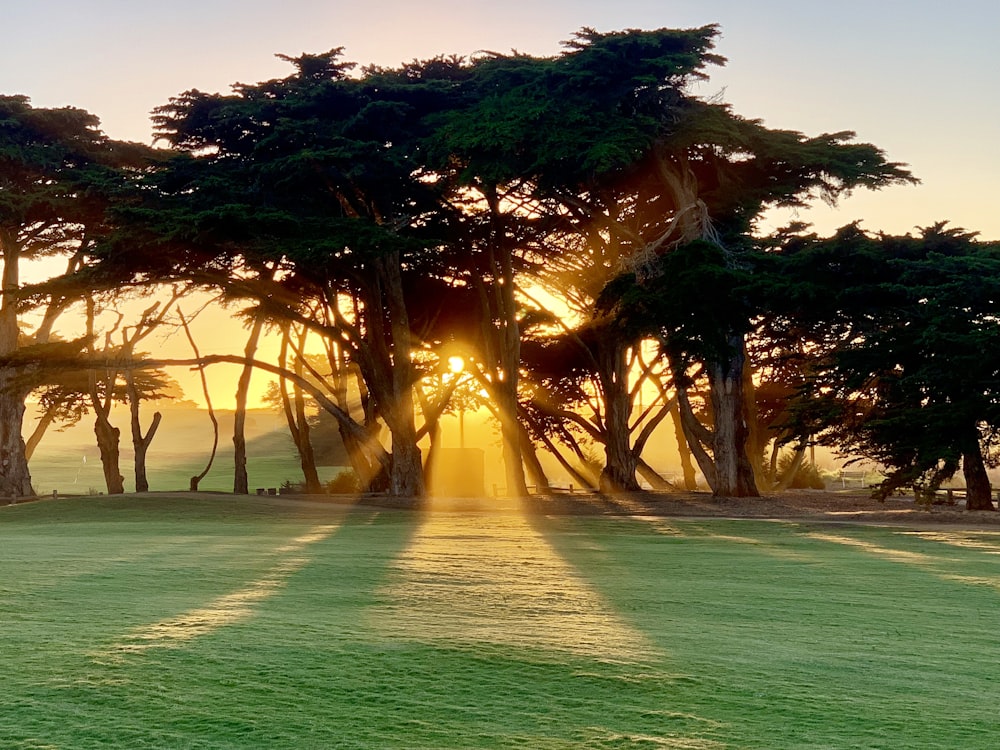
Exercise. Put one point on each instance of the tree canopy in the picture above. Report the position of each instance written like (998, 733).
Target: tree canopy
(389, 216)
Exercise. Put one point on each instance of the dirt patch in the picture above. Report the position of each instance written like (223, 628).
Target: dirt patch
(848, 507)
(807, 505)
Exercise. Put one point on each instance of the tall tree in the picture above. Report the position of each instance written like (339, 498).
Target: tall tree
(57, 171)
(903, 331)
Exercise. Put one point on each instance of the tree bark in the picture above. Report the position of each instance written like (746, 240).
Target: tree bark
(241, 481)
(307, 458)
(294, 409)
(977, 484)
(395, 385)
(683, 451)
(793, 468)
(140, 442)
(15, 479)
(107, 441)
(44, 422)
(107, 434)
(653, 477)
(620, 462)
(532, 465)
(734, 471)
(502, 335)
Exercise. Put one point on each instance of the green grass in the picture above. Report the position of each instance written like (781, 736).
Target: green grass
(176, 623)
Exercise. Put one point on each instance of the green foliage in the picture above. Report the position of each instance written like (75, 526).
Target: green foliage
(902, 332)
(345, 483)
(807, 477)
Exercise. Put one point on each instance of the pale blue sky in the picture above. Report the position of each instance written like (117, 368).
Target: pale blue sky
(917, 78)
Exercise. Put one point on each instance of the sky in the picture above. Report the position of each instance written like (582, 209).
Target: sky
(918, 79)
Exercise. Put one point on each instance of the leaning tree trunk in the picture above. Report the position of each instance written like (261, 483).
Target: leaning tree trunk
(294, 409)
(307, 458)
(241, 481)
(683, 451)
(734, 471)
(977, 484)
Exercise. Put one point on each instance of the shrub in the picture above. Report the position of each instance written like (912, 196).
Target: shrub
(345, 483)
(808, 477)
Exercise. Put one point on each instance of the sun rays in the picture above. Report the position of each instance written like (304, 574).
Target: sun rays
(227, 609)
(468, 579)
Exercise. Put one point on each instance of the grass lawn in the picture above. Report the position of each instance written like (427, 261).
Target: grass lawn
(255, 623)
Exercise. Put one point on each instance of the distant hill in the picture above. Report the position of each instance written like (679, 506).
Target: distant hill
(69, 461)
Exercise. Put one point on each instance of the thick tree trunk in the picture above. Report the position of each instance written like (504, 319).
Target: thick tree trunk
(107, 441)
(15, 479)
(620, 462)
(406, 477)
(734, 472)
(510, 435)
(502, 335)
(977, 483)
(241, 480)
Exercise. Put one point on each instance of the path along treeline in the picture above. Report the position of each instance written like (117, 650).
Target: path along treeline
(394, 218)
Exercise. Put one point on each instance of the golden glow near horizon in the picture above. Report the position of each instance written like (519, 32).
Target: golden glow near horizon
(466, 580)
(456, 364)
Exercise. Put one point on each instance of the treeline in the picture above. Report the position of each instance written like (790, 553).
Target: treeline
(579, 229)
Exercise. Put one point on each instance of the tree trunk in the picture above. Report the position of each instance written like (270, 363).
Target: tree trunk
(620, 462)
(532, 465)
(15, 479)
(307, 458)
(793, 468)
(684, 452)
(140, 442)
(734, 472)
(107, 441)
(44, 422)
(295, 415)
(977, 484)
(406, 478)
(502, 335)
(653, 477)
(196, 480)
(757, 438)
(241, 481)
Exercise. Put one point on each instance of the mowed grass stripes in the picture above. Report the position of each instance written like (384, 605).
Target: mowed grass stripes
(249, 623)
